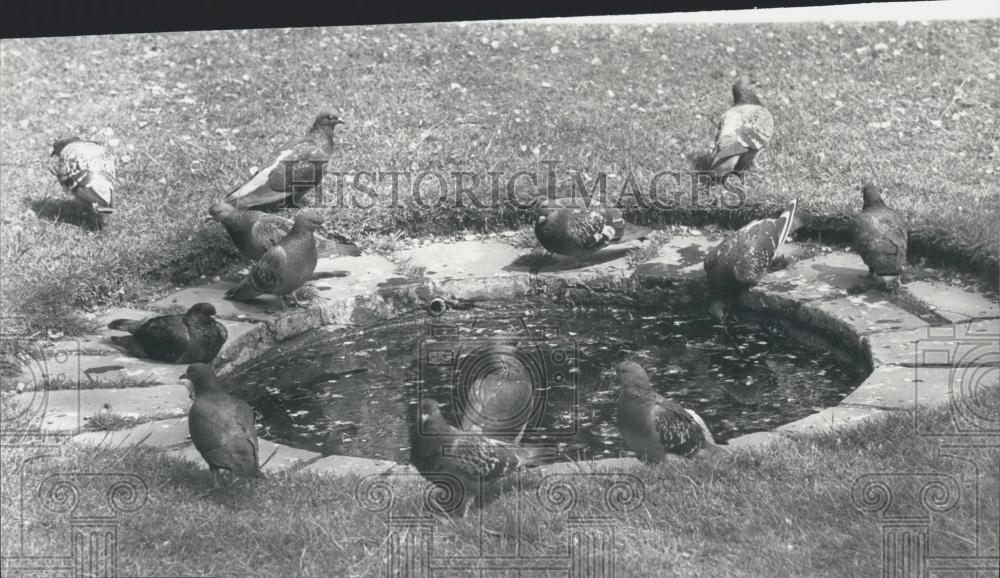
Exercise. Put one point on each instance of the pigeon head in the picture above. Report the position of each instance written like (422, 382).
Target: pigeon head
(743, 93)
(220, 210)
(326, 123)
(202, 377)
(719, 310)
(871, 195)
(632, 377)
(308, 220)
(60, 144)
(206, 309)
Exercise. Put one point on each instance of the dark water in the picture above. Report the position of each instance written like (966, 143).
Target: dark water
(353, 393)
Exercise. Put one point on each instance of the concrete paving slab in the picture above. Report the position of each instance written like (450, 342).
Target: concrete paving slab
(829, 419)
(67, 410)
(826, 276)
(956, 304)
(159, 433)
(976, 343)
(897, 387)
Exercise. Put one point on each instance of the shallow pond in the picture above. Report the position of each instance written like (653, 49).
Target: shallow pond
(354, 392)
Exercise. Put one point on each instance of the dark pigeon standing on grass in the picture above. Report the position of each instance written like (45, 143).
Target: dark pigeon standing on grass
(743, 258)
(254, 232)
(880, 235)
(654, 426)
(178, 338)
(464, 461)
(581, 232)
(86, 170)
(295, 170)
(744, 130)
(222, 428)
(285, 267)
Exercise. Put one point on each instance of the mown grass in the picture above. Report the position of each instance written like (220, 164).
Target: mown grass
(912, 107)
(783, 511)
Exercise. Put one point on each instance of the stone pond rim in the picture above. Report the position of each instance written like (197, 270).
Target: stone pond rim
(811, 292)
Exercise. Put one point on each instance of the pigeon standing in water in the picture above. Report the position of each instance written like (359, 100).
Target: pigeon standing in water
(743, 258)
(744, 130)
(880, 235)
(221, 427)
(179, 338)
(466, 462)
(254, 232)
(581, 232)
(86, 170)
(285, 267)
(654, 426)
(296, 169)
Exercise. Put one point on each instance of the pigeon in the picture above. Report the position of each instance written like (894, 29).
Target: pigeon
(880, 235)
(86, 170)
(743, 258)
(254, 232)
(744, 130)
(581, 232)
(285, 267)
(654, 426)
(179, 338)
(221, 427)
(296, 169)
(466, 462)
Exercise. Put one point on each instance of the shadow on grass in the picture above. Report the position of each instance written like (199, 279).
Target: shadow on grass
(66, 210)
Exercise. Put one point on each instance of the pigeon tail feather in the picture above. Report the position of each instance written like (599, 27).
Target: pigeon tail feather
(631, 232)
(128, 325)
(787, 220)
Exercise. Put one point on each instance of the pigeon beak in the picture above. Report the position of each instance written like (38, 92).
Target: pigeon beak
(208, 219)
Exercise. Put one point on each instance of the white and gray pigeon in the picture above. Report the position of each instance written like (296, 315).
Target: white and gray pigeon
(744, 130)
(743, 258)
(296, 169)
(86, 170)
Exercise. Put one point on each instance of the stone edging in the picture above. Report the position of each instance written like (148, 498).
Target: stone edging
(816, 292)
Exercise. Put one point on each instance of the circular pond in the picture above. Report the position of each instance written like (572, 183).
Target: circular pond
(353, 392)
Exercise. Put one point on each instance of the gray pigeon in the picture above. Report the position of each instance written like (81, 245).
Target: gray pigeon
(178, 338)
(254, 232)
(581, 232)
(86, 170)
(880, 235)
(295, 170)
(744, 130)
(654, 426)
(221, 427)
(285, 267)
(743, 258)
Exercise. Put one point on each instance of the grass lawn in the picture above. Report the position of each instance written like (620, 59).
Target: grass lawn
(912, 107)
(784, 512)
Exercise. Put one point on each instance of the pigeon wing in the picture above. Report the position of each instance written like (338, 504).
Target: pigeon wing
(269, 229)
(266, 274)
(679, 433)
(165, 337)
